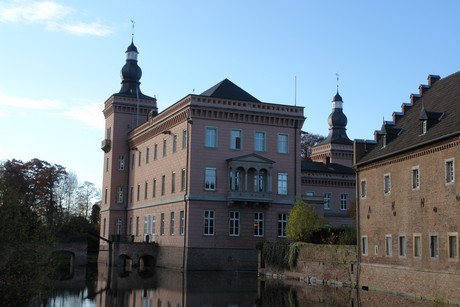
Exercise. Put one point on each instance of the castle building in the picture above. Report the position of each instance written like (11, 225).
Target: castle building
(327, 178)
(408, 199)
(206, 179)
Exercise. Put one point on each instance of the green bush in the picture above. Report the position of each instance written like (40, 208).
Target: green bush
(303, 222)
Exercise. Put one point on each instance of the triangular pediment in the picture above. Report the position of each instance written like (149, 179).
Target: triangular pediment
(251, 158)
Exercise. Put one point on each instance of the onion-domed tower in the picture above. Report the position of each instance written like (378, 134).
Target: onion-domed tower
(123, 112)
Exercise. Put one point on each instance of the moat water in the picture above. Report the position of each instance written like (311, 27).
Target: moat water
(98, 285)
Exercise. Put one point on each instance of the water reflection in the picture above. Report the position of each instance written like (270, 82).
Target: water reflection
(98, 285)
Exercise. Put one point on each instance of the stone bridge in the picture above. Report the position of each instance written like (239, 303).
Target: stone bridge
(77, 250)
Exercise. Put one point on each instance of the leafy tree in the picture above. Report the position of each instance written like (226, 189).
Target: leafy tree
(303, 221)
(95, 217)
(307, 141)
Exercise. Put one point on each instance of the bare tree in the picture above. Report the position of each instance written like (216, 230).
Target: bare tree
(307, 141)
(86, 195)
(66, 192)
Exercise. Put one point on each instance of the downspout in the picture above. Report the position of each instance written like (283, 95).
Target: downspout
(187, 172)
(358, 231)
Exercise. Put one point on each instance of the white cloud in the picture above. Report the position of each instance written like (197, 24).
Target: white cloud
(52, 15)
(29, 103)
(90, 114)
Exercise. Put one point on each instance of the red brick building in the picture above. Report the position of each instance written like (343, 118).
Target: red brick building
(409, 196)
(206, 178)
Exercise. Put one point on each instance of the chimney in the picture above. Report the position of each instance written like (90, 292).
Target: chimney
(423, 88)
(432, 79)
(414, 98)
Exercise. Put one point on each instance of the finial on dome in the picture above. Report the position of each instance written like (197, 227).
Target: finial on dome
(337, 75)
(132, 31)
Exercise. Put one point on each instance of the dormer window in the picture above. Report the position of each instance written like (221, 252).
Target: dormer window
(423, 126)
(384, 141)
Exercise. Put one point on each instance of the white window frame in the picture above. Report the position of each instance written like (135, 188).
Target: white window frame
(327, 200)
(258, 224)
(283, 143)
(449, 171)
(415, 175)
(236, 139)
(259, 141)
(417, 247)
(387, 184)
(183, 180)
(234, 224)
(344, 201)
(210, 178)
(210, 137)
(364, 245)
(388, 245)
(282, 224)
(282, 183)
(363, 188)
(209, 219)
(172, 219)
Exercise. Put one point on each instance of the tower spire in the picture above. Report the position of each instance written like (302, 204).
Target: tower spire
(132, 30)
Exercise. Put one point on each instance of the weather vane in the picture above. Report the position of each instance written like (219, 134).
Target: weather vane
(132, 33)
(337, 75)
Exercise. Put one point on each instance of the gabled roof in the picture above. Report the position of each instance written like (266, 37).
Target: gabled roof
(226, 89)
(326, 168)
(253, 158)
(442, 97)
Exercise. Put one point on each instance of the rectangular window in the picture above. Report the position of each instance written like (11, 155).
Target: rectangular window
(137, 226)
(130, 226)
(417, 245)
(147, 155)
(132, 160)
(450, 171)
(107, 164)
(131, 192)
(174, 147)
(120, 196)
(163, 182)
(121, 162)
(155, 151)
(259, 182)
(210, 179)
(387, 183)
(162, 224)
(344, 201)
(327, 200)
(282, 224)
(164, 147)
(103, 227)
(181, 222)
(154, 187)
(208, 225)
(108, 133)
(184, 139)
(258, 224)
(434, 246)
(259, 141)
(453, 245)
(282, 183)
(234, 223)
(146, 189)
(146, 227)
(183, 180)
(363, 188)
(283, 143)
(153, 227)
(235, 139)
(210, 137)
(171, 224)
(139, 160)
(402, 246)
(138, 192)
(173, 182)
(364, 245)
(388, 245)
(415, 178)
(105, 196)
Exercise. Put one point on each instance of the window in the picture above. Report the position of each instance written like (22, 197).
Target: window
(402, 246)
(434, 246)
(364, 245)
(131, 192)
(107, 164)
(423, 126)
(121, 162)
(120, 195)
(108, 133)
(154, 187)
(327, 200)
(130, 226)
(415, 178)
(139, 158)
(119, 226)
(153, 227)
(162, 224)
(181, 222)
(235, 139)
(183, 180)
(103, 228)
(235, 178)
(105, 196)
(259, 182)
(344, 201)
(387, 184)
(155, 151)
(259, 141)
(146, 227)
(210, 179)
(138, 192)
(453, 245)
(234, 223)
(282, 183)
(388, 246)
(164, 147)
(282, 224)
(208, 227)
(210, 137)
(147, 155)
(173, 182)
(163, 180)
(137, 226)
(174, 147)
(283, 143)
(146, 189)
(450, 171)
(363, 188)
(171, 224)
(184, 139)
(132, 160)
(258, 224)
(417, 245)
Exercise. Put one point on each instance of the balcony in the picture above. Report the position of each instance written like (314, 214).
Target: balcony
(253, 197)
(106, 145)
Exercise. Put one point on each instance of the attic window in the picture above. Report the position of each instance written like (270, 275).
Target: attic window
(384, 141)
(423, 126)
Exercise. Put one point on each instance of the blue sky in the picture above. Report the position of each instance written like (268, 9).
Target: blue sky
(60, 60)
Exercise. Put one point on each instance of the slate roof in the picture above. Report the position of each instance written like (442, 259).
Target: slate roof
(442, 99)
(226, 89)
(326, 168)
